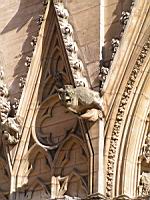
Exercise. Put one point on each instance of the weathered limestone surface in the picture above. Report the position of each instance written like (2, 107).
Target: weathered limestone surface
(18, 24)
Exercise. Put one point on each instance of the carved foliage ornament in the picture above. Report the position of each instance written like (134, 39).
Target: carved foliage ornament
(10, 126)
(5, 124)
(71, 46)
(115, 42)
(120, 114)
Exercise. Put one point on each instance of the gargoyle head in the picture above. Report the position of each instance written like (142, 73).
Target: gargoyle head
(66, 94)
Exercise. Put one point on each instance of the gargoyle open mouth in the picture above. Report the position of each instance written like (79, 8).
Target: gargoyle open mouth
(68, 100)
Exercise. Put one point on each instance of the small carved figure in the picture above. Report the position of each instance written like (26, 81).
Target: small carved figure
(132, 5)
(80, 81)
(45, 2)
(40, 19)
(145, 183)
(9, 139)
(15, 106)
(33, 42)
(10, 127)
(67, 29)
(11, 131)
(22, 82)
(3, 90)
(124, 18)
(67, 32)
(71, 48)
(4, 103)
(80, 100)
(77, 65)
(62, 13)
(146, 148)
(114, 44)
(103, 73)
(28, 61)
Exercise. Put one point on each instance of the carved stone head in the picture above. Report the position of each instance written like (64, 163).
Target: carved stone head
(66, 94)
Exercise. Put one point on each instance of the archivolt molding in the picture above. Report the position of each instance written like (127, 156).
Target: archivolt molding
(120, 114)
(132, 133)
(123, 56)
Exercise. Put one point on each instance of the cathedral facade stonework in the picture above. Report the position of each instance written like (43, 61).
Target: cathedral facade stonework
(75, 100)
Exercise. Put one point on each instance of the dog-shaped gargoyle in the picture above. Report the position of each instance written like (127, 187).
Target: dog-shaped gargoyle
(83, 101)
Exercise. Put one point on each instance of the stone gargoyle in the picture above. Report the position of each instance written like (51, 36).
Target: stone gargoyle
(83, 101)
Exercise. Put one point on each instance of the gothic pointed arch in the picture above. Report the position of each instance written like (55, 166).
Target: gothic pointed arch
(71, 166)
(48, 126)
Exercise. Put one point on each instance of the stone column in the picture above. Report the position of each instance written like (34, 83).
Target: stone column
(96, 133)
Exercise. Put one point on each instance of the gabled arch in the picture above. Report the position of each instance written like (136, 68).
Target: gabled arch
(29, 165)
(69, 141)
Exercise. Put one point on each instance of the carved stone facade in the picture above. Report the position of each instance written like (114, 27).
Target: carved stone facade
(74, 108)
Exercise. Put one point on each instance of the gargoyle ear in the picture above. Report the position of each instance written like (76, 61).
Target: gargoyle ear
(60, 90)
